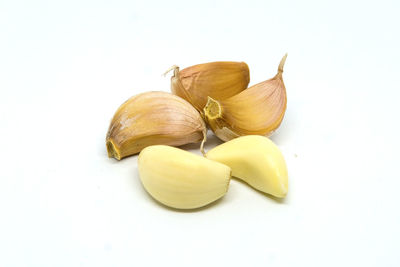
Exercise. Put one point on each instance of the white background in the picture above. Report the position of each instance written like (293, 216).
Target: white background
(66, 66)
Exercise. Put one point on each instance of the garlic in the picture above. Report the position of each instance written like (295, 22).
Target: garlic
(257, 110)
(257, 161)
(180, 179)
(219, 80)
(153, 118)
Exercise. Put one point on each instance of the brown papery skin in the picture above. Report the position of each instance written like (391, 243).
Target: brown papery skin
(219, 80)
(258, 110)
(153, 118)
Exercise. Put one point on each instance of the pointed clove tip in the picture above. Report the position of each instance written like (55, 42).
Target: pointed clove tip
(203, 141)
(282, 63)
(175, 68)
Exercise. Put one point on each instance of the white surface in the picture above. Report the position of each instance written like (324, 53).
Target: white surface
(66, 66)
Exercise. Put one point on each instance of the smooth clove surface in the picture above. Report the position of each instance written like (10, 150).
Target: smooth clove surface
(257, 161)
(180, 179)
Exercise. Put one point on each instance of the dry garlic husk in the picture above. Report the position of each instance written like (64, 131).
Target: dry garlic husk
(153, 118)
(258, 110)
(219, 80)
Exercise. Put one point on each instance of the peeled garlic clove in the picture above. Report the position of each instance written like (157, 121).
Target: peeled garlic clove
(257, 161)
(257, 110)
(153, 118)
(219, 80)
(180, 179)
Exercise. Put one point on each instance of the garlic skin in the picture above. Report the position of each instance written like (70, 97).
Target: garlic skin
(153, 118)
(180, 179)
(258, 110)
(219, 80)
(256, 160)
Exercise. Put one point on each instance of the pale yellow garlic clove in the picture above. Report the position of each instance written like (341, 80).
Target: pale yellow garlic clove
(180, 179)
(219, 80)
(257, 161)
(153, 118)
(257, 110)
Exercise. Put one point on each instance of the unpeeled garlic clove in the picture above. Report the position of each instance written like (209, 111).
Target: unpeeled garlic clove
(180, 179)
(257, 110)
(219, 80)
(153, 118)
(257, 161)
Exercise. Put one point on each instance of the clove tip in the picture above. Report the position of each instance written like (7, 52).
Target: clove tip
(282, 63)
(174, 68)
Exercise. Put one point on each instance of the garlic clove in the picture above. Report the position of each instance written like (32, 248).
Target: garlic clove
(257, 161)
(153, 118)
(257, 110)
(219, 80)
(180, 179)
